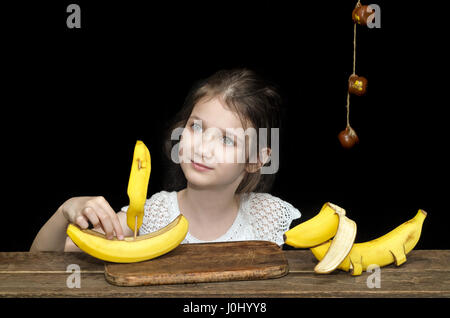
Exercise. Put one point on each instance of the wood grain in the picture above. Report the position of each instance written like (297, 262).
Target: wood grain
(425, 274)
(206, 262)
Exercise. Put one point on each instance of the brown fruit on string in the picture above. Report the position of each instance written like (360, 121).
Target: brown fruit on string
(348, 138)
(357, 85)
(361, 13)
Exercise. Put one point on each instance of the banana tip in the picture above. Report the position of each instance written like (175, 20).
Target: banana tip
(423, 212)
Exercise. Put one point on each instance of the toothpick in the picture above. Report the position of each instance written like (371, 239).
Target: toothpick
(135, 228)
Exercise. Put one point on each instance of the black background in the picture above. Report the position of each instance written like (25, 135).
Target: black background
(74, 102)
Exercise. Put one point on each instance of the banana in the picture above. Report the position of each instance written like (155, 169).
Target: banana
(316, 230)
(340, 246)
(137, 185)
(389, 248)
(130, 250)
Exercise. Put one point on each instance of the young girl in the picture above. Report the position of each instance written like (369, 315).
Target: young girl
(222, 197)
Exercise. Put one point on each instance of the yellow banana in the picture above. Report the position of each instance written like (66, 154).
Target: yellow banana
(138, 184)
(130, 250)
(389, 248)
(340, 246)
(316, 230)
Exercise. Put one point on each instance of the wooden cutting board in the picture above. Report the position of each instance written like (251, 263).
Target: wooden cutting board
(205, 262)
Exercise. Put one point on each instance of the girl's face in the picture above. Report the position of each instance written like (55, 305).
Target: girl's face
(213, 137)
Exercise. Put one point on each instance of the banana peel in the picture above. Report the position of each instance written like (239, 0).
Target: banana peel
(340, 245)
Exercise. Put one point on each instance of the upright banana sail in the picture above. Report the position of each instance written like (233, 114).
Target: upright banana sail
(130, 250)
(389, 248)
(137, 185)
(340, 246)
(133, 249)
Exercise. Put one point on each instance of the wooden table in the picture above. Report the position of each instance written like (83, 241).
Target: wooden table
(425, 274)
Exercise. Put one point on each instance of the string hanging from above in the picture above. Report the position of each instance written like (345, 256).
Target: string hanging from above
(357, 85)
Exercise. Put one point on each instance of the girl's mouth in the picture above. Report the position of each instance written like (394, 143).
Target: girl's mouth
(200, 167)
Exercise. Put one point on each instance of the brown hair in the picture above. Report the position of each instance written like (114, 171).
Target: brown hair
(255, 101)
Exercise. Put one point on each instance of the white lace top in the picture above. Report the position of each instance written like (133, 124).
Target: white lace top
(261, 216)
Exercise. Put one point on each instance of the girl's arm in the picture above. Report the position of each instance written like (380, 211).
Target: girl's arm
(52, 236)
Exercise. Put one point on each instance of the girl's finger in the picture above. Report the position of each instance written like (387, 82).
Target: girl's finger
(90, 214)
(105, 220)
(114, 219)
(82, 221)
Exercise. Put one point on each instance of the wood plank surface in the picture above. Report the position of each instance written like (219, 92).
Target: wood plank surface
(207, 262)
(425, 274)
(46, 262)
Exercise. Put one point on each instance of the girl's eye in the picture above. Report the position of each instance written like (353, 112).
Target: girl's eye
(194, 125)
(228, 141)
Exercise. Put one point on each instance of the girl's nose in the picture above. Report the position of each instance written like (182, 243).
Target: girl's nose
(205, 148)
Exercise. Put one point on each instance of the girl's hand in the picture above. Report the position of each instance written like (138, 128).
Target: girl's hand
(80, 210)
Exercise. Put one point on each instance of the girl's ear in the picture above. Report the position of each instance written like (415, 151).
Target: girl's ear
(264, 155)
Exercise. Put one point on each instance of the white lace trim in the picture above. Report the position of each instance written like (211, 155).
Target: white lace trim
(261, 216)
